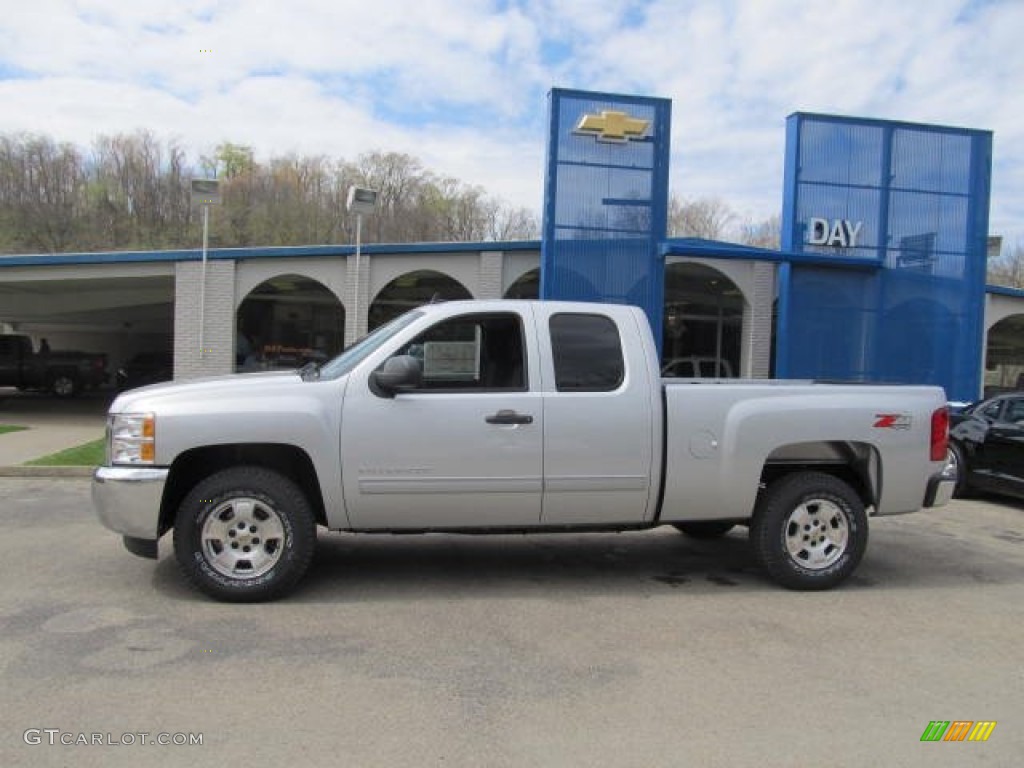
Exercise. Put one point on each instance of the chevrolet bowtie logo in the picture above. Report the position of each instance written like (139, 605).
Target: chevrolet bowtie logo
(614, 126)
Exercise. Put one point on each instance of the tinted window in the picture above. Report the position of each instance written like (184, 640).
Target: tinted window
(991, 411)
(1014, 411)
(483, 352)
(587, 353)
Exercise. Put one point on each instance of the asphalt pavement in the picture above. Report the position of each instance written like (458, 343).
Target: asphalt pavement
(637, 649)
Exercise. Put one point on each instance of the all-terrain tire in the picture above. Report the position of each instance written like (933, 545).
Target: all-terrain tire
(809, 531)
(245, 534)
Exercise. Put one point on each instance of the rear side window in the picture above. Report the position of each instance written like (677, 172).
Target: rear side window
(587, 353)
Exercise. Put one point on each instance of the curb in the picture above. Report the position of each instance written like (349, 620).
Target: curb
(23, 471)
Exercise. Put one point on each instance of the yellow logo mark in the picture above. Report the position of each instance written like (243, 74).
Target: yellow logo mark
(982, 730)
(613, 126)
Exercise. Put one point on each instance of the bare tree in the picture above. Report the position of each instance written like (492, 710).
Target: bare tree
(133, 192)
(763, 234)
(138, 192)
(509, 223)
(1008, 268)
(42, 191)
(704, 217)
(397, 177)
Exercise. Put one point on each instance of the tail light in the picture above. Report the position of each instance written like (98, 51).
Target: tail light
(940, 434)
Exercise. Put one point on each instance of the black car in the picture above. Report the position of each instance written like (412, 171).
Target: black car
(986, 445)
(146, 368)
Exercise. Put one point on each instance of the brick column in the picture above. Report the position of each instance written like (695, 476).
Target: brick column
(217, 354)
(355, 327)
(492, 272)
(755, 353)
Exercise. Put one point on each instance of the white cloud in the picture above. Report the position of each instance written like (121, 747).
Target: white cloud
(462, 85)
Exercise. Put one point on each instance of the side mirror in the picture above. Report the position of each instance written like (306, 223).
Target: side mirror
(398, 374)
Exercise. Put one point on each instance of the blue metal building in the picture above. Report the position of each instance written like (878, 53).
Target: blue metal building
(882, 269)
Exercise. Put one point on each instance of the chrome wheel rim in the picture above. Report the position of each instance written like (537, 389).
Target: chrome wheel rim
(952, 464)
(243, 538)
(817, 534)
(63, 386)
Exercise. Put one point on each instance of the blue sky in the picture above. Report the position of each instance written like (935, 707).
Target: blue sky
(462, 84)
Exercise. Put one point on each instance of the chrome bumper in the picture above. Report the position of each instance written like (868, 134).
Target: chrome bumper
(127, 499)
(940, 488)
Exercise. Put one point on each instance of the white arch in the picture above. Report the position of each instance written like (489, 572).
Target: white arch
(515, 266)
(999, 307)
(252, 273)
(509, 283)
(751, 281)
(740, 272)
(462, 268)
(376, 294)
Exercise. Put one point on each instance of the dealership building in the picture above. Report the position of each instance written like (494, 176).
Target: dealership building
(880, 277)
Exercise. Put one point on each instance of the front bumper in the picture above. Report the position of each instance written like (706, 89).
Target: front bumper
(127, 499)
(940, 488)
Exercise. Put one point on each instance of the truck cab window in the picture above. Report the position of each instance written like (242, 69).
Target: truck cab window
(482, 352)
(587, 353)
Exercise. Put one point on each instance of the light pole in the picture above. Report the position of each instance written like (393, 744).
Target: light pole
(205, 192)
(360, 201)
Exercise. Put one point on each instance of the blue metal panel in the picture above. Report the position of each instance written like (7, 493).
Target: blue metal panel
(783, 313)
(606, 200)
(790, 227)
(918, 197)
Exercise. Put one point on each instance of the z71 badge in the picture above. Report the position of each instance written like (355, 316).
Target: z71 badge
(893, 420)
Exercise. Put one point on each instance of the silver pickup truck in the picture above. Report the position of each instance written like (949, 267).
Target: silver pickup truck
(510, 416)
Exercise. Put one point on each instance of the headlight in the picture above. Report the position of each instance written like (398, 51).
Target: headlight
(132, 438)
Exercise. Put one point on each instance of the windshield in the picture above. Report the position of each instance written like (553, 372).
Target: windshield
(353, 355)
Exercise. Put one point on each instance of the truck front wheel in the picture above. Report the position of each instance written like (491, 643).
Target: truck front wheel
(245, 534)
(809, 531)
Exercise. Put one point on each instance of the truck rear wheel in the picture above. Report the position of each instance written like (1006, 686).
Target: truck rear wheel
(245, 534)
(809, 531)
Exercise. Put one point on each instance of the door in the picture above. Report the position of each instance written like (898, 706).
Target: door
(461, 450)
(599, 420)
(1004, 446)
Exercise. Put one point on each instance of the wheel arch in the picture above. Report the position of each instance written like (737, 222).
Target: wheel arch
(193, 466)
(858, 464)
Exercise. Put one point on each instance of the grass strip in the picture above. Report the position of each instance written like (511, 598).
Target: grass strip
(87, 455)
